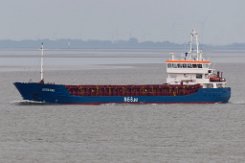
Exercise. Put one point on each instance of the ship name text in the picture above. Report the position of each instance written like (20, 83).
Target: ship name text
(131, 99)
(48, 90)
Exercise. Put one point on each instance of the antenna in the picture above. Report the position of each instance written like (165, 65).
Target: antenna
(191, 39)
(42, 79)
(197, 41)
(194, 35)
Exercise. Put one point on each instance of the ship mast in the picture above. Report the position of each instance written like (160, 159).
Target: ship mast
(42, 79)
(194, 36)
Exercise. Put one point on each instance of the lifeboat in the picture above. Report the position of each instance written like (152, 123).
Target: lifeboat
(215, 78)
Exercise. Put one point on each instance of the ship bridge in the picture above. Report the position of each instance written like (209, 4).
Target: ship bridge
(193, 68)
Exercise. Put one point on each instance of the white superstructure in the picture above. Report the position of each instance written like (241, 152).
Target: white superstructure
(193, 68)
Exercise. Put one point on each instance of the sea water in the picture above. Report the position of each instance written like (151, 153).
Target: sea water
(116, 132)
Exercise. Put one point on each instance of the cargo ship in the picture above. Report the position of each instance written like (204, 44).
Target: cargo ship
(190, 79)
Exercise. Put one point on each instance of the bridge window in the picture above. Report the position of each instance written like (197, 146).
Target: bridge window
(199, 76)
(199, 65)
(174, 65)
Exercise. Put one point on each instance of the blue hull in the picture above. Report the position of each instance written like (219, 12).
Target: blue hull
(52, 93)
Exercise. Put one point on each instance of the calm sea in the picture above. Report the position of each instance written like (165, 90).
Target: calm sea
(117, 133)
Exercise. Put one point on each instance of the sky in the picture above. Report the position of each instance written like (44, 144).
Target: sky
(218, 22)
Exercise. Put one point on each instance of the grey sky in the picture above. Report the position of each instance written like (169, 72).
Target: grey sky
(217, 21)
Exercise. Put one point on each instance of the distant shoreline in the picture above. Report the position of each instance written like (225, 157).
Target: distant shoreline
(132, 44)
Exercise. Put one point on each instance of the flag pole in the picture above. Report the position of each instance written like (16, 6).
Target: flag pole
(42, 79)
